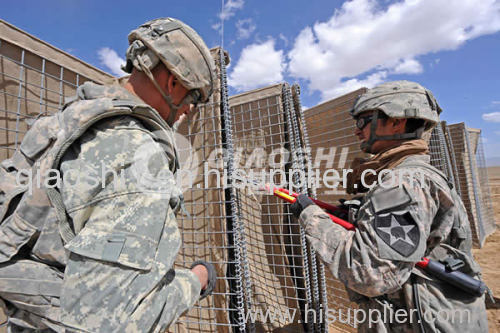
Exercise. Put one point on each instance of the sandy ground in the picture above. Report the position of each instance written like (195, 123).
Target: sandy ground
(487, 256)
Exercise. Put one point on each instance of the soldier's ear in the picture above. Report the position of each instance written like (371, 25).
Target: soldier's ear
(171, 83)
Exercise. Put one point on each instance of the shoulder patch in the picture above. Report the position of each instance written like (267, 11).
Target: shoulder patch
(400, 232)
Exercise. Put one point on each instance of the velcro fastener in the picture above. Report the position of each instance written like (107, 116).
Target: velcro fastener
(390, 198)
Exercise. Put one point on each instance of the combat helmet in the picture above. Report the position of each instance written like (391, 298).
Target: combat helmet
(180, 49)
(398, 99)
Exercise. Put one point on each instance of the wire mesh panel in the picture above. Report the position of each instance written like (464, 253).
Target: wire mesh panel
(439, 153)
(333, 147)
(204, 230)
(35, 78)
(485, 191)
(276, 253)
(474, 187)
(453, 159)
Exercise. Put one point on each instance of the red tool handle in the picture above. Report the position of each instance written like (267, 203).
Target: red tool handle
(322, 204)
(291, 198)
(435, 268)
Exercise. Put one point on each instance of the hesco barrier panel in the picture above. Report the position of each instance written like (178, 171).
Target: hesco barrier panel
(204, 232)
(275, 251)
(472, 176)
(442, 157)
(35, 78)
(259, 251)
(263, 262)
(334, 146)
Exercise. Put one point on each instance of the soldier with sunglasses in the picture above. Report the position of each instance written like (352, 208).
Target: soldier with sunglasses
(411, 211)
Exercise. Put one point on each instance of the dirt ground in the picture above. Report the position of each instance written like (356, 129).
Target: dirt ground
(487, 256)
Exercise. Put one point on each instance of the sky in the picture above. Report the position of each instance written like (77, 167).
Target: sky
(329, 47)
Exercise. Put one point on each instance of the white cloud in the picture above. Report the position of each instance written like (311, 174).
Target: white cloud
(408, 66)
(495, 102)
(363, 36)
(230, 8)
(353, 84)
(217, 26)
(493, 117)
(258, 65)
(111, 60)
(497, 132)
(245, 28)
(284, 39)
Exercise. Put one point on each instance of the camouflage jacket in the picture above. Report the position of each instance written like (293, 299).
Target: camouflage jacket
(397, 224)
(95, 252)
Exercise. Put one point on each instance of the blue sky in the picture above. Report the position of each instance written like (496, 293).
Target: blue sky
(329, 47)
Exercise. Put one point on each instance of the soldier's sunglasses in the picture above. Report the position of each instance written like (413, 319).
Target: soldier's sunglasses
(361, 122)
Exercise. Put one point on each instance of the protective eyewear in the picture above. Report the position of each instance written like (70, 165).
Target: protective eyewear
(361, 122)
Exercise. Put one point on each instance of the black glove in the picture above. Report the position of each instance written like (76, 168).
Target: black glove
(347, 207)
(212, 278)
(300, 204)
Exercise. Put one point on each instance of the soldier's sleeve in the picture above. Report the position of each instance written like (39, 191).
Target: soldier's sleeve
(392, 230)
(117, 187)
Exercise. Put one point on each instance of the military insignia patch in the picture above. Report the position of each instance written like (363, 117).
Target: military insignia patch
(400, 232)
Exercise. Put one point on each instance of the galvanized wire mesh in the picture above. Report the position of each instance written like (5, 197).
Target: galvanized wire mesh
(211, 231)
(333, 146)
(276, 250)
(472, 176)
(439, 152)
(485, 191)
(30, 86)
(260, 251)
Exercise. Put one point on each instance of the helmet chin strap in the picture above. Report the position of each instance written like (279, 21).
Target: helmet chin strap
(173, 107)
(367, 146)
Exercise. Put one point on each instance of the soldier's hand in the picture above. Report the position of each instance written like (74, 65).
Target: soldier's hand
(205, 272)
(300, 204)
(202, 273)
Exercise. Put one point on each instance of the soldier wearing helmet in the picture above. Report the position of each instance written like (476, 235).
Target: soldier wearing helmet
(95, 253)
(405, 210)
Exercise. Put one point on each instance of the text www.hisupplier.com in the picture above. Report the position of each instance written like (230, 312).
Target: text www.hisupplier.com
(355, 317)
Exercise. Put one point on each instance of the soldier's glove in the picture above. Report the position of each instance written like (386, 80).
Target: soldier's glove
(300, 204)
(212, 278)
(343, 212)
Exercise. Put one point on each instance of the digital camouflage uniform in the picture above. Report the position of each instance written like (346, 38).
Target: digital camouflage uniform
(417, 215)
(89, 245)
(396, 227)
(118, 274)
